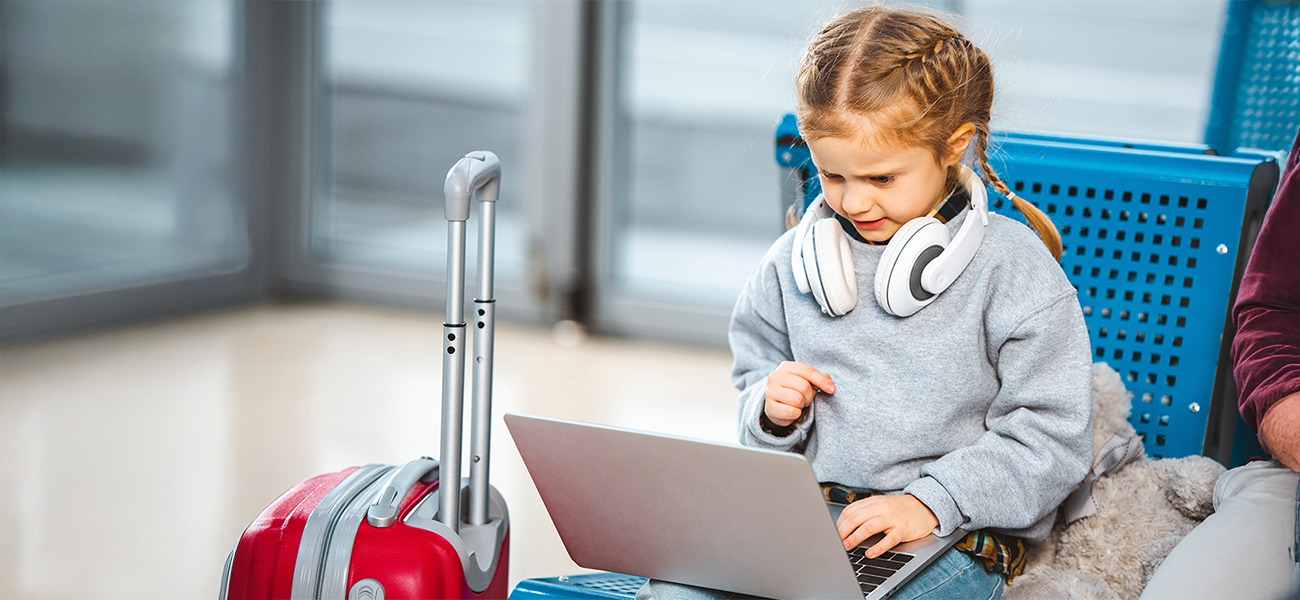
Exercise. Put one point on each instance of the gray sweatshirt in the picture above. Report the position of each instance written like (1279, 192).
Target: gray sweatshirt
(980, 405)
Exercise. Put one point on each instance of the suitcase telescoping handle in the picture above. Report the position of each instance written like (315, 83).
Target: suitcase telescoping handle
(481, 172)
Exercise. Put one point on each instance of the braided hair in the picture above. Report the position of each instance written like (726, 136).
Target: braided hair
(917, 78)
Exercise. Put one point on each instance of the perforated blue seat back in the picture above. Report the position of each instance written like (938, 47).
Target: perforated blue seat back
(1256, 101)
(1156, 237)
(1155, 243)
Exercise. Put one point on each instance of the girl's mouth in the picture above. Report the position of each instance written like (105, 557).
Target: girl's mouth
(877, 224)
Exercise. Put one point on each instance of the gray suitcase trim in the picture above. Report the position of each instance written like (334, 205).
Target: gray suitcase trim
(476, 545)
(319, 533)
(338, 556)
(225, 575)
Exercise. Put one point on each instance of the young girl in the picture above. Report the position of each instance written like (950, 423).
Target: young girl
(973, 412)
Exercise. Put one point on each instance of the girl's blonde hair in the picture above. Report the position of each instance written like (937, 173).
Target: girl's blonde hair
(915, 76)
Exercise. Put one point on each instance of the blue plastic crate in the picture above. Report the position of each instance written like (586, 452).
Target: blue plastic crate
(597, 586)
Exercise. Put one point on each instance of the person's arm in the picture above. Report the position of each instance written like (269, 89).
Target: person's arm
(760, 345)
(1266, 348)
(1279, 432)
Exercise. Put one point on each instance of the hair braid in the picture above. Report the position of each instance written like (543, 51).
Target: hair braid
(1040, 222)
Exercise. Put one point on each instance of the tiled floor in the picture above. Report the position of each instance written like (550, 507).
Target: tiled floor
(131, 460)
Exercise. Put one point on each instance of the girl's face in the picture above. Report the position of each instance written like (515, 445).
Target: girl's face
(879, 187)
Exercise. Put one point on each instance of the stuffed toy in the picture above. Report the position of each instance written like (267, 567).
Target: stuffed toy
(1130, 512)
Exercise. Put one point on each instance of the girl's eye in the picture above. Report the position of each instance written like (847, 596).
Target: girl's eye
(883, 179)
(830, 176)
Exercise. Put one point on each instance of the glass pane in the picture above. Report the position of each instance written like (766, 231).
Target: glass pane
(410, 88)
(1102, 67)
(116, 138)
(703, 84)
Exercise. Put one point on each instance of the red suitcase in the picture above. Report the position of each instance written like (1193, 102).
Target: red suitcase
(385, 532)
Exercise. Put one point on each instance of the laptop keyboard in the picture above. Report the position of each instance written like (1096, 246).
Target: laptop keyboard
(874, 571)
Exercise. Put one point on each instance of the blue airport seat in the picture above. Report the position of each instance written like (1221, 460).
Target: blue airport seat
(1156, 243)
(1256, 99)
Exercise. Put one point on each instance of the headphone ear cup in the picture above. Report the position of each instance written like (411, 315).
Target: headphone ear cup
(898, 277)
(809, 269)
(830, 271)
(814, 213)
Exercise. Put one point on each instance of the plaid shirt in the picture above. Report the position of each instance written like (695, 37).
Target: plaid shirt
(998, 552)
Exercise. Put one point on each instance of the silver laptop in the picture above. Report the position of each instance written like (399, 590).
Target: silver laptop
(714, 515)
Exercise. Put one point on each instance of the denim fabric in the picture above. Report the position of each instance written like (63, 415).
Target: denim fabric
(955, 576)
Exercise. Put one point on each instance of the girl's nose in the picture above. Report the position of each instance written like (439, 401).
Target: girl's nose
(857, 199)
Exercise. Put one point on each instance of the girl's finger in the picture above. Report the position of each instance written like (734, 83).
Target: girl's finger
(859, 536)
(787, 396)
(818, 379)
(891, 539)
(854, 531)
(795, 392)
(781, 414)
(814, 377)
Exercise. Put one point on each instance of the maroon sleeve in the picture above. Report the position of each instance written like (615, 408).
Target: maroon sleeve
(1266, 350)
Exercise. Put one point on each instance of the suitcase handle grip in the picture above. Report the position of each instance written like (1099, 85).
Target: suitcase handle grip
(383, 511)
(480, 170)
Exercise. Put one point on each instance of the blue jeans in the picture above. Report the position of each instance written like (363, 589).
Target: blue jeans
(954, 576)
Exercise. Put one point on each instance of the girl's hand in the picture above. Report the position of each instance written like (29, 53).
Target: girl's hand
(902, 518)
(790, 388)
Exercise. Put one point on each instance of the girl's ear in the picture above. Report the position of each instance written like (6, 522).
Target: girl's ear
(958, 142)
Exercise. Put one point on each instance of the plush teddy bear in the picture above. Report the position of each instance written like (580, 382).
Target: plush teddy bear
(1140, 508)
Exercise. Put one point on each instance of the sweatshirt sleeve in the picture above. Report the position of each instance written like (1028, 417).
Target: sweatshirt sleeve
(1266, 349)
(759, 343)
(1038, 445)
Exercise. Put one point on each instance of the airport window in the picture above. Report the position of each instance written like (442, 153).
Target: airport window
(118, 142)
(124, 160)
(404, 90)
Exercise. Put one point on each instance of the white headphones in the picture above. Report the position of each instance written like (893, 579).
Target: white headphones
(921, 260)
